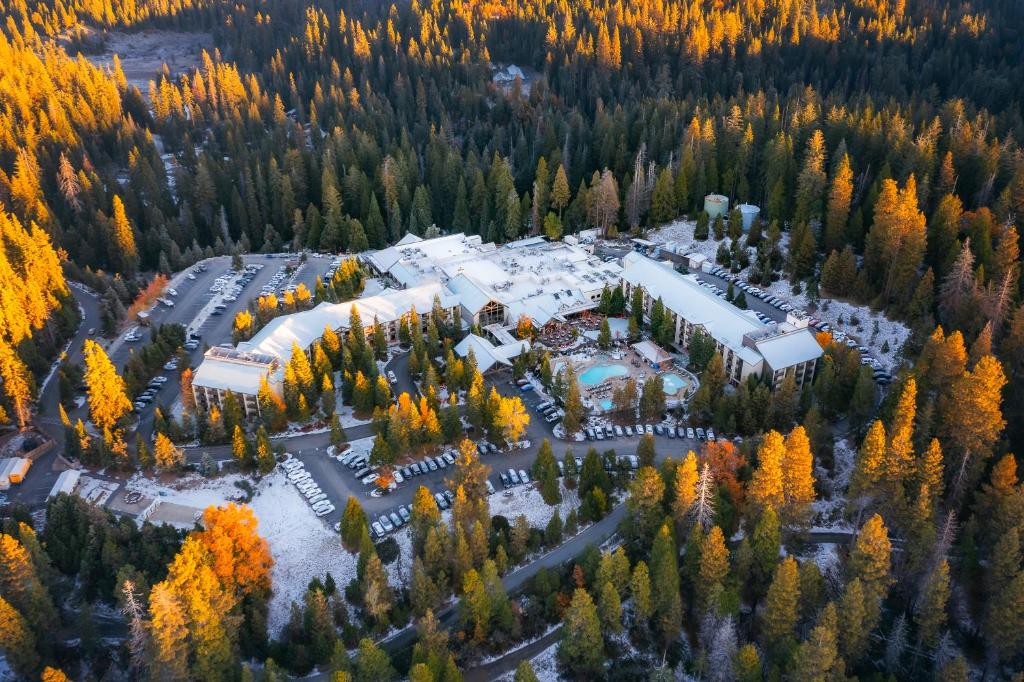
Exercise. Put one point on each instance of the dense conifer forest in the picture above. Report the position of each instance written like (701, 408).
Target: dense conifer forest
(881, 139)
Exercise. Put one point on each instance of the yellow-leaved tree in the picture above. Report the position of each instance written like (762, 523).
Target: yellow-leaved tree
(166, 455)
(767, 486)
(107, 395)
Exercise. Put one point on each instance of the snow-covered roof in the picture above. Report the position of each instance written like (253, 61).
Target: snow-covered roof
(228, 374)
(651, 352)
(472, 296)
(789, 348)
(302, 329)
(531, 276)
(487, 354)
(681, 294)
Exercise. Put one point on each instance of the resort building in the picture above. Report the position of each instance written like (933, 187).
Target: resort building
(748, 346)
(240, 369)
(541, 280)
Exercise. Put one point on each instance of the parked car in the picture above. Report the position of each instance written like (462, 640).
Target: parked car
(690, 433)
(710, 435)
(370, 479)
(325, 510)
(395, 519)
(523, 476)
(701, 436)
(448, 457)
(386, 523)
(404, 513)
(506, 482)
(513, 476)
(377, 528)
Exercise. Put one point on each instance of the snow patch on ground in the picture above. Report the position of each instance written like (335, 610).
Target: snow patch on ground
(302, 545)
(677, 236)
(828, 513)
(528, 502)
(192, 490)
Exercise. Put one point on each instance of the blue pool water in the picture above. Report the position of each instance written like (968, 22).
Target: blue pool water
(605, 404)
(673, 383)
(599, 373)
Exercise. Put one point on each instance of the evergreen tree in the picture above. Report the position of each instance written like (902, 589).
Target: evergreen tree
(581, 650)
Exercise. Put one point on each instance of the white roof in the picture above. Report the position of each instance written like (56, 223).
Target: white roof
(472, 296)
(65, 483)
(277, 337)
(531, 276)
(226, 374)
(651, 351)
(726, 323)
(487, 354)
(788, 349)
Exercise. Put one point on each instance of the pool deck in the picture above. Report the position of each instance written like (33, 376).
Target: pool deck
(636, 369)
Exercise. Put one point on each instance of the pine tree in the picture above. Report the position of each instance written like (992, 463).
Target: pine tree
(17, 641)
(778, 621)
(838, 211)
(372, 663)
(685, 493)
(640, 588)
(168, 629)
(714, 569)
(765, 545)
(353, 525)
(767, 487)
(166, 455)
(798, 475)
(581, 650)
(665, 597)
(868, 467)
(817, 658)
(524, 673)
(107, 395)
(812, 181)
(610, 609)
(123, 253)
(853, 628)
(931, 606)
(870, 561)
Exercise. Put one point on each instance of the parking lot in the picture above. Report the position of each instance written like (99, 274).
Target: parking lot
(205, 300)
(771, 308)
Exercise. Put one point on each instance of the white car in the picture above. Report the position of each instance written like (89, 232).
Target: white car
(317, 499)
(325, 510)
(292, 465)
(370, 478)
(312, 492)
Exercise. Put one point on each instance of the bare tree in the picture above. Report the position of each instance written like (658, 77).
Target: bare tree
(704, 504)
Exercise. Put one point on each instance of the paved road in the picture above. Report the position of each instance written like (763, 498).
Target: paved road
(41, 477)
(513, 582)
(338, 483)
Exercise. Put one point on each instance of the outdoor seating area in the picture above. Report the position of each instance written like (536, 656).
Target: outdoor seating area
(599, 373)
(562, 335)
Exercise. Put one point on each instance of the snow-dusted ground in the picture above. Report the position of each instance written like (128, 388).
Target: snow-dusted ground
(527, 501)
(678, 237)
(303, 546)
(346, 416)
(828, 513)
(192, 490)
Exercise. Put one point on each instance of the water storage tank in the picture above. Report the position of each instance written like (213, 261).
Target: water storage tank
(716, 205)
(749, 213)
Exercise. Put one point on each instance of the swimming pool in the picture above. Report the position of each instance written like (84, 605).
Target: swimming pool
(673, 383)
(605, 404)
(600, 373)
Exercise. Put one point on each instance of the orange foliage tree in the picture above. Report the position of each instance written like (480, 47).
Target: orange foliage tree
(241, 558)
